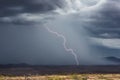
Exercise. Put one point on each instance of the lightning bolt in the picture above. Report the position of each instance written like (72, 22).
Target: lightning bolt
(64, 44)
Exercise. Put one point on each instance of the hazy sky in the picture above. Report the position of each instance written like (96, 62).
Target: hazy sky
(90, 28)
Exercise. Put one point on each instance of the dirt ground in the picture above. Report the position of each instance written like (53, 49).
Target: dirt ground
(64, 77)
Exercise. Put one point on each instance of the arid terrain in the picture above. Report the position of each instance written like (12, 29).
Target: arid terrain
(64, 77)
(13, 72)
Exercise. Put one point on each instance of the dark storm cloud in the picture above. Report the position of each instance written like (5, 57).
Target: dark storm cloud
(27, 11)
(17, 11)
(13, 7)
(106, 22)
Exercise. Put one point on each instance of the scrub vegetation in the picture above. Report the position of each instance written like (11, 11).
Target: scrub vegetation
(64, 77)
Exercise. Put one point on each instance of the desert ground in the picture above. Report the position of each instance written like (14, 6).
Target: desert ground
(59, 72)
(64, 77)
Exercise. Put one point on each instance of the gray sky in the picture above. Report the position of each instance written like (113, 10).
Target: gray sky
(90, 28)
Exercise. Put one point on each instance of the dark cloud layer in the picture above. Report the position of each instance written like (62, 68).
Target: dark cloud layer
(13, 7)
(107, 21)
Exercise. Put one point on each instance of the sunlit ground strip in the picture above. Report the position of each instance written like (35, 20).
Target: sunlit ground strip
(65, 77)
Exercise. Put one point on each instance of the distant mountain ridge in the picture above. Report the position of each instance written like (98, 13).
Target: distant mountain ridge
(14, 65)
